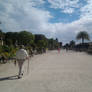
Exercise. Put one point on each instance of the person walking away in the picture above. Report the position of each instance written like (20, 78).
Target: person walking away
(58, 50)
(21, 57)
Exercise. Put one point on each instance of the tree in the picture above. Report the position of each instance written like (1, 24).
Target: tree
(60, 44)
(1, 36)
(10, 38)
(51, 44)
(25, 38)
(72, 43)
(18, 38)
(83, 35)
(41, 43)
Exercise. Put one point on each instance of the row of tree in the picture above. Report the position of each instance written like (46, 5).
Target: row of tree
(10, 42)
(83, 35)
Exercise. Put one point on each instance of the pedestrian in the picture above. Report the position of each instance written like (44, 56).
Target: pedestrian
(21, 57)
(58, 50)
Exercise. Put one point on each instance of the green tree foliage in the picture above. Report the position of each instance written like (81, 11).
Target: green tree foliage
(11, 38)
(53, 44)
(25, 38)
(83, 35)
(28, 39)
(7, 51)
(2, 35)
(31, 42)
(40, 42)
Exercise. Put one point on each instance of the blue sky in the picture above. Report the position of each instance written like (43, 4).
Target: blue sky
(59, 16)
(61, 19)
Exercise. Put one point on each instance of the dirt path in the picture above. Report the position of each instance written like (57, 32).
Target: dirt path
(50, 72)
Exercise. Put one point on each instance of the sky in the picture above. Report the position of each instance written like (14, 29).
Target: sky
(61, 19)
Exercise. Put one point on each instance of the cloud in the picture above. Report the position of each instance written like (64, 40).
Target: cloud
(68, 32)
(18, 15)
(66, 6)
(69, 11)
(86, 11)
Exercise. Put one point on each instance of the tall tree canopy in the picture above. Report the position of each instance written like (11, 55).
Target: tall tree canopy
(25, 38)
(83, 35)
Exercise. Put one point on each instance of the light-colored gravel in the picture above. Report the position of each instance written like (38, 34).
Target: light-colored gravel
(50, 72)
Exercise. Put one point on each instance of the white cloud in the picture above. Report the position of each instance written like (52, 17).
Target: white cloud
(68, 32)
(17, 15)
(68, 10)
(63, 3)
(23, 15)
(67, 6)
(86, 11)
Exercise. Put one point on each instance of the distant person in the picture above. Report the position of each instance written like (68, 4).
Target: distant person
(31, 53)
(21, 57)
(66, 48)
(58, 50)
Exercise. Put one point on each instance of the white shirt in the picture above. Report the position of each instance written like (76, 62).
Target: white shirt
(21, 54)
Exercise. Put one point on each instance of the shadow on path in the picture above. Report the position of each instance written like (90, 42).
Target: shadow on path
(9, 78)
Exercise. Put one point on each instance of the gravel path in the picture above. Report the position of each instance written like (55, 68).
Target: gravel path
(50, 72)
